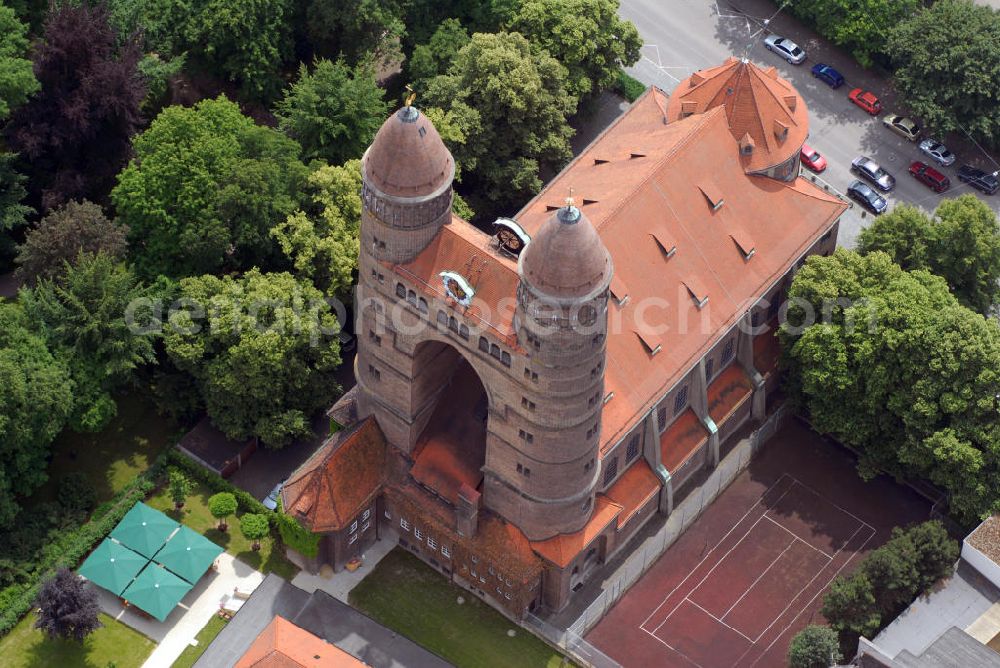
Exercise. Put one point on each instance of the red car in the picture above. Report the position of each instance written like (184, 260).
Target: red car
(929, 176)
(866, 100)
(812, 159)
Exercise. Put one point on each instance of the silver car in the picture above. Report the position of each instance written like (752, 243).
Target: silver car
(785, 48)
(937, 152)
(271, 500)
(866, 167)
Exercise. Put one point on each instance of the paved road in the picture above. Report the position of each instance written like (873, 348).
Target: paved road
(682, 36)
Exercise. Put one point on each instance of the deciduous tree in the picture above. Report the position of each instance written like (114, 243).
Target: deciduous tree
(67, 608)
(73, 230)
(860, 26)
(358, 29)
(814, 647)
(946, 61)
(850, 605)
(434, 58)
(265, 358)
(515, 105)
(587, 36)
(255, 528)
(17, 81)
(206, 187)
(222, 505)
(180, 487)
(333, 111)
(74, 134)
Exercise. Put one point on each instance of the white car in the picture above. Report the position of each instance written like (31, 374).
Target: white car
(937, 152)
(785, 48)
(271, 500)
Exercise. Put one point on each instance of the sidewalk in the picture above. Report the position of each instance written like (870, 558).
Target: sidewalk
(339, 585)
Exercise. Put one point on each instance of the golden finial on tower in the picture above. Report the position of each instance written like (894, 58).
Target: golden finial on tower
(411, 97)
(570, 202)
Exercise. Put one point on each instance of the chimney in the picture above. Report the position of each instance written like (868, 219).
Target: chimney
(467, 511)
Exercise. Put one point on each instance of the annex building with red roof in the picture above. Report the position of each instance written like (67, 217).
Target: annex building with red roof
(527, 400)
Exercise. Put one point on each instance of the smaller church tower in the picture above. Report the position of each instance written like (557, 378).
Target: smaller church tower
(561, 320)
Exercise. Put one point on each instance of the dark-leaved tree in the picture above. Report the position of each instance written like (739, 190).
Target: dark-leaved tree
(74, 135)
(67, 608)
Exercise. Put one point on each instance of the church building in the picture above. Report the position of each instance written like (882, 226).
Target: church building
(527, 400)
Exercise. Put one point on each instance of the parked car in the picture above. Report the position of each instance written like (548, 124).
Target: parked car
(982, 181)
(867, 168)
(828, 75)
(937, 152)
(785, 48)
(866, 100)
(929, 176)
(902, 126)
(271, 500)
(812, 159)
(868, 198)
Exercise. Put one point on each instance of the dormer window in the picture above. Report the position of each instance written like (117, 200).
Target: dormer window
(712, 194)
(697, 291)
(744, 243)
(664, 241)
(650, 342)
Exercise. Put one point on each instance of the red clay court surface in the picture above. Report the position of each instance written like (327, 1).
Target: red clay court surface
(752, 570)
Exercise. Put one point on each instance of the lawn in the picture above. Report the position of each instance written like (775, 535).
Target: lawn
(115, 456)
(195, 515)
(416, 601)
(204, 638)
(26, 647)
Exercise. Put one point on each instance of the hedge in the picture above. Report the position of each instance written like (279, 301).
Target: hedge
(69, 549)
(629, 87)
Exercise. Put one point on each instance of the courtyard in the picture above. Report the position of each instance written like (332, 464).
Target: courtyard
(752, 570)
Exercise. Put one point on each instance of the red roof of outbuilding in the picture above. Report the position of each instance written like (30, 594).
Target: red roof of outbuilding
(284, 645)
(633, 489)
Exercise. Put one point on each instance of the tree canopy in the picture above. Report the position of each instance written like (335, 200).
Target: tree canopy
(74, 134)
(205, 189)
(961, 243)
(899, 371)
(587, 36)
(66, 233)
(814, 647)
(358, 29)
(946, 59)
(67, 607)
(434, 58)
(36, 397)
(17, 80)
(333, 111)
(265, 359)
(514, 107)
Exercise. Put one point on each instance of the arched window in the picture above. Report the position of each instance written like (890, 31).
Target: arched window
(422, 305)
(400, 291)
(463, 331)
(495, 351)
(411, 297)
(484, 345)
(442, 318)
(505, 358)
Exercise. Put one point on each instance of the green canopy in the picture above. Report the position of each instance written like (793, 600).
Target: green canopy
(157, 591)
(188, 554)
(112, 566)
(144, 529)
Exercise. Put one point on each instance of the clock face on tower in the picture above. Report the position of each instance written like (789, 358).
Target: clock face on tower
(457, 288)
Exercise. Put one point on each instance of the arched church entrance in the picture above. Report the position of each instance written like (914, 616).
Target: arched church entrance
(451, 449)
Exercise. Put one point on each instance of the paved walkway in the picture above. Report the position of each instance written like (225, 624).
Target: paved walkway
(175, 633)
(339, 585)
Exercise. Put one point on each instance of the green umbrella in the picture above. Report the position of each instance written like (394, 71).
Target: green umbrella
(188, 554)
(157, 591)
(144, 529)
(112, 566)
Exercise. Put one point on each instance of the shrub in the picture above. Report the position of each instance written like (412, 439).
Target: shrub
(180, 487)
(247, 502)
(814, 647)
(76, 493)
(222, 505)
(629, 87)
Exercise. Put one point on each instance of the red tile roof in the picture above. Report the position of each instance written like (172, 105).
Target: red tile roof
(727, 391)
(681, 439)
(562, 549)
(633, 489)
(284, 645)
(338, 480)
(762, 109)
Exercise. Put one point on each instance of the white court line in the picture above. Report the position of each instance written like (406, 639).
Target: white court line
(796, 537)
(754, 583)
(717, 619)
(810, 601)
(835, 505)
(721, 540)
(674, 649)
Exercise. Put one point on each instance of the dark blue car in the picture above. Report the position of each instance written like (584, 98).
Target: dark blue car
(828, 75)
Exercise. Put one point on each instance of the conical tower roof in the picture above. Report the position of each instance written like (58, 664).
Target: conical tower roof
(760, 106)
(566, 258)
(407, 157)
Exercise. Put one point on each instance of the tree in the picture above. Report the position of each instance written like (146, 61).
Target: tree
(946, 62)
(36, 397)
(76, 493)
(936, 552)
(74, 134)
(254, 527)
(322, 241)
(814, 647)
(180, 487)
(359, 29)
(74, 230)
(264, 362)
(587, 36)
(515, 106)
(850, 605)
(13, 213)
(904, 233)
(892, 570)
(17, 81)
(860, 26)
(87, 318)
(222, 505)
(333, 111)
(206, 187)
(434, 58)
(67, 608)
